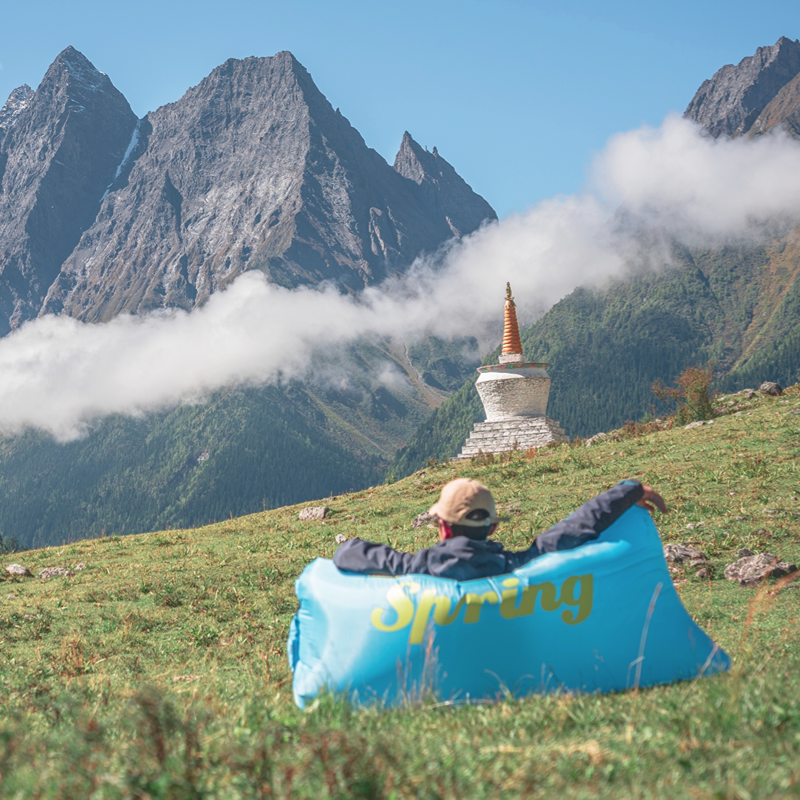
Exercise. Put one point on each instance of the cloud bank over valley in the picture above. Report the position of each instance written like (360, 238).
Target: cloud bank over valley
(60, 375)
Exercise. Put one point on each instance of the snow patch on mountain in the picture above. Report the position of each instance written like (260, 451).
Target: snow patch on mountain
(125, 158)
(17, 102)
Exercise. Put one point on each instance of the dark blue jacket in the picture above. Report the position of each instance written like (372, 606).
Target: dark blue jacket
(464, 559)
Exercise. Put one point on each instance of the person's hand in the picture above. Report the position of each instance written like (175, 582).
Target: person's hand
(652, 500)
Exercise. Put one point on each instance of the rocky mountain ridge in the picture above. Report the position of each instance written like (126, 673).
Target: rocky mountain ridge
(744, 99)
(59, 151)
(250, 169)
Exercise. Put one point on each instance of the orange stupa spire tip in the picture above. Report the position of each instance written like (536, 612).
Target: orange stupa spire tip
(511, 341)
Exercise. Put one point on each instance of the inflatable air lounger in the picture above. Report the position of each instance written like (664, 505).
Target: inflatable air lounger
(601, 618)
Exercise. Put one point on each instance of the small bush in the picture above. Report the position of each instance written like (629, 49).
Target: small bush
(632, 430)
(691, 394)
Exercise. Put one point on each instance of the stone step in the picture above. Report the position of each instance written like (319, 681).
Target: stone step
(503, 447)
(502, 436)
(511, 435)
(518, 423)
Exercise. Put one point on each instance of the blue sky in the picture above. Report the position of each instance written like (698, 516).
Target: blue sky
(519, 96)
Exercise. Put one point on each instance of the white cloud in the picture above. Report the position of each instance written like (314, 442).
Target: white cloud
(60, 375)
(701, 189)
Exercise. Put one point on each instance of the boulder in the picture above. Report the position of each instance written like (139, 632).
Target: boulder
(52, 572)
(424, 519)
(19, 571)
(314, 512)
(698, 423)
(750, 570)
(771, 388)
(680, 553)
(704, 572)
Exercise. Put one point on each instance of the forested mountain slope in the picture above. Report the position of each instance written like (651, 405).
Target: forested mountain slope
(241, 451)
(737, 308)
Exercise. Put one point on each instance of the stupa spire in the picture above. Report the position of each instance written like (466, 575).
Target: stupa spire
(514, 394)
(511, 341)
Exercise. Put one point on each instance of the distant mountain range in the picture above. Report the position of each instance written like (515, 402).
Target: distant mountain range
(102, 213)
(736, 307)
(756, 95)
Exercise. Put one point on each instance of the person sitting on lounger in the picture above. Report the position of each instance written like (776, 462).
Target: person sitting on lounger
(468, 517)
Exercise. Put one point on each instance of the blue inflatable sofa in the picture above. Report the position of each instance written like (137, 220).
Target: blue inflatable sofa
(601, 618)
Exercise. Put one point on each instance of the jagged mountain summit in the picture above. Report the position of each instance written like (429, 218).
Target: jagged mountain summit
(17, 102)
(59, 149)
(251, 169)
(746, 98)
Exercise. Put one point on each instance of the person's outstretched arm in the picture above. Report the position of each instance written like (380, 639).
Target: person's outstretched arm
(590, 520)
(369, 558)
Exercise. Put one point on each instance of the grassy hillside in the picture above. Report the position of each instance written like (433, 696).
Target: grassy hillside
(159, 670)
(241, 451)
(738, 308)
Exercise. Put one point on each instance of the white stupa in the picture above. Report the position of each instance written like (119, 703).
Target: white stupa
(514, 394)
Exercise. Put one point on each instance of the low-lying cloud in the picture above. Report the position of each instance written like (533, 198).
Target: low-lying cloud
(61, 375)
(699, 189)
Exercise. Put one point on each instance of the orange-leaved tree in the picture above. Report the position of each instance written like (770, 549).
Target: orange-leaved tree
(691, 394)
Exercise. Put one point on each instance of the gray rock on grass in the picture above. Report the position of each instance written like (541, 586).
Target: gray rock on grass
(751, 570)
(698, 423)
(314, 512)
(424, 518)
(19, 571)
(771, 388)
(683, 554)
(705, 572)
(53, 572)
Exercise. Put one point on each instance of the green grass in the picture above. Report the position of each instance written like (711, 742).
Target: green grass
(159, 670)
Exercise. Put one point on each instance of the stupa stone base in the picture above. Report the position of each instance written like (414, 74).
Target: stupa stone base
(513, 433)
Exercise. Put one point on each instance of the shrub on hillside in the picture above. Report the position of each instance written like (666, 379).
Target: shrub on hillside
(691, 394)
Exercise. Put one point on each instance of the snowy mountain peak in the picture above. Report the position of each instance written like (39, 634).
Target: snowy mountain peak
(17, 102)
(80, 69)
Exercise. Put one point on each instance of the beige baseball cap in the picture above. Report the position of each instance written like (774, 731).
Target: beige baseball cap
(459, 498)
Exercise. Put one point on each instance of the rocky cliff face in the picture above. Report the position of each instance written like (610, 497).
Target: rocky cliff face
(251, 169)
(731, 102)
(17, 102)
(783, 111)
(59, 150)
(442, 189)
